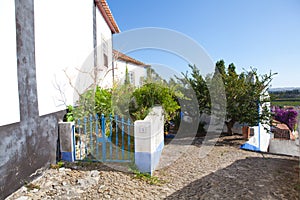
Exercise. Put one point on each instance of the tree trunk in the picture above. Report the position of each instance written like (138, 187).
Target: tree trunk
(230, 126)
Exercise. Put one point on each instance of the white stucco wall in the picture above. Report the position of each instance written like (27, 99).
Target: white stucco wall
(104, 36)
(120, 69)
(64, 40)
(285, 147)
(9, 103)
(149, 140)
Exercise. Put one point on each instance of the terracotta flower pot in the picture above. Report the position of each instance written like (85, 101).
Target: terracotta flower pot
(246, 132)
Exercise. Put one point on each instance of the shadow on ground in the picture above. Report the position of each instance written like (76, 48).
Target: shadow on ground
(250, 178)
(109, 167)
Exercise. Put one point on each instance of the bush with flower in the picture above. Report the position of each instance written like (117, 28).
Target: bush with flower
(287, 116)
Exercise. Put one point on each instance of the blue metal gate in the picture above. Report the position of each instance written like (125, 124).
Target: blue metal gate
(104, 139)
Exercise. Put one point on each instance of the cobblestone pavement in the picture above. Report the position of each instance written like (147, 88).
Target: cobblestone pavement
(225, 173)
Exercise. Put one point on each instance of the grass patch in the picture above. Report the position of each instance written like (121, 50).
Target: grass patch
(58, 165)
(31, 186)
(152, 180)
(297, 186)
(285, 103)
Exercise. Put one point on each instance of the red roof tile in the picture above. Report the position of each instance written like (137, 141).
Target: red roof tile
(121, 56)
(106, 13)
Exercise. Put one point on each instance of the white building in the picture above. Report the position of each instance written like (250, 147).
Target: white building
(137, 71)
(39, 40)
(64, 45)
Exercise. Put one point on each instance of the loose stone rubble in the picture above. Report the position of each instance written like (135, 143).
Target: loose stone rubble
(225, 173)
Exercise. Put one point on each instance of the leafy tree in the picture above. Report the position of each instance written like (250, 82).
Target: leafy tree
(196, 82)
(153, 76)
(91, 103)
(246, 95)
(103, 103)
(121, 99)
(127, 81)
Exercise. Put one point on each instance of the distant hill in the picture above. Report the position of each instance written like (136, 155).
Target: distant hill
(283, 89)
(287, 96)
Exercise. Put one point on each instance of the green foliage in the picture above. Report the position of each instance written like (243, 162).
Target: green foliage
(152, 94)
(152, 76)
(285, 98)
(103, 103)
(198, 84)
(69, 116)
(58, 165)
(245, 92)
(152, 180)
(125, 100)
(127, 81)
(287, 102)
(32, 186)
(288, 93)
(297, 186)
(121, 99)
(91, 103)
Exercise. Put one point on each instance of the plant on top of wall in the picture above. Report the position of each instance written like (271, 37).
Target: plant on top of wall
(287, 116)
(152, 94)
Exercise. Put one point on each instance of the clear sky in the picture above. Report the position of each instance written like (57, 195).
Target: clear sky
(264, 34)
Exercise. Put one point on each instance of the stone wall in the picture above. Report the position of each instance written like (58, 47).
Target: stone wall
(285, 147)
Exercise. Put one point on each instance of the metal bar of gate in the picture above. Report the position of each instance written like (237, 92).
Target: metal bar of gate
(122, 121)
(85, 140)
(103, 138)
(110, 136)
(91, 134)
(128, 139)
(116, 120)
(79, 131)
(97, 135)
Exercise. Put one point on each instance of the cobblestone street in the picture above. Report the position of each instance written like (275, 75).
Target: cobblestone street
(225, 173)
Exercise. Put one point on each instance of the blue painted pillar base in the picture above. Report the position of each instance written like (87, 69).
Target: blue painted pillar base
(147, 162)
(67, 156)
(66, 141)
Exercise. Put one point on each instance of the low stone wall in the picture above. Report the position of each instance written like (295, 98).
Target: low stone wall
(149, 140)
(285, 147)
(27, 148)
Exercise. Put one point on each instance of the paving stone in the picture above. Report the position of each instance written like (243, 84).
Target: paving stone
(227, 172)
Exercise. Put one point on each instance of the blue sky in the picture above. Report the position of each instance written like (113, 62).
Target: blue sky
(261, 34)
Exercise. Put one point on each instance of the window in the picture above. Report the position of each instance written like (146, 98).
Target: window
(105, 52)
(131, 77)
(105, 60)
(142, 80)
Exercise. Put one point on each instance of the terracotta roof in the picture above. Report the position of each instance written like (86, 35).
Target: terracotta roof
(121, 56)
(106, 13)
(279, 125)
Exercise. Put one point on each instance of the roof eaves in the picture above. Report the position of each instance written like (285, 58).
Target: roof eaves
(108, 17)
(124, 57)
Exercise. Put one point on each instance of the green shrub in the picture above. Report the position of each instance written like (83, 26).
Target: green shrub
(152, 94)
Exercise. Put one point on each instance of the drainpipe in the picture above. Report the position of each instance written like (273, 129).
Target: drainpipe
(113, 62)
(95, 36)
(258, 109)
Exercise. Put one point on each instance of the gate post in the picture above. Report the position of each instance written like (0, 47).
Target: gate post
(149, 140)
(66, 141)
